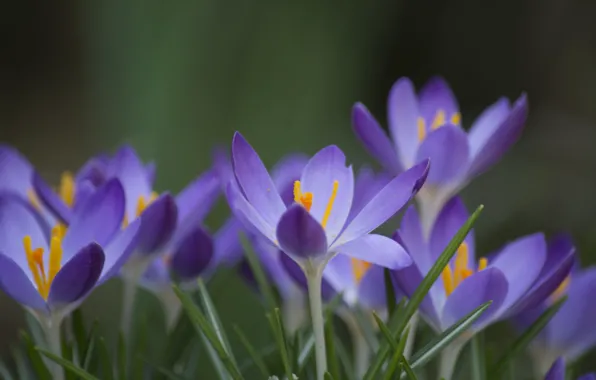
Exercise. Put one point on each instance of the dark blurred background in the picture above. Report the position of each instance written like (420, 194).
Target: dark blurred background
(175, 79)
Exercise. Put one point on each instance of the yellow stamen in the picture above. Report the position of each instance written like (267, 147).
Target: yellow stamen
(67, 188)
(461, 263)
(125, 220)
(447, 277)
(142, 205)
(43, 281)
(330, 204)
(32, 262)
(439, 120)
(560, 291)
(304, 199)
(482, 264)
(55, 258)
(33, 199)
(359, 268)
(456, 119)
(421, 129)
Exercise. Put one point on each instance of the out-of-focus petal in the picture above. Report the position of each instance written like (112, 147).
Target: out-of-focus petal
(377, 249)
(15, 171)
(286, 172)
(371, 290)
(451, 218)
(447, 148)
(299, 234)
(51, 200)
(119, 250)
(94, 170)
(192, 254)
(158, 223)
(402, 109)
(435, 96)
(247, 215)
(557, 371)
(227, 249)
(15, 282)
(410, 231)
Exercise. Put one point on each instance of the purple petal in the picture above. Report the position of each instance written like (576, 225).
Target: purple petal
(371, 290)
(227, 249)
(325, 167)
(339, 273)
(377, 249)
(299, 234)
(83, 192)
(367, 185)
(255, 182)
(521, 262)
(447, 148)
(247, 215)
(98, 221)
(94, 170)
(294, 270)
(156, 276)
(587, 376)
(375, 140)
(436, 96)
(270, 258)
(410, 232)
(158, 223)
(223, 167)
(560, 258)
(16, 283)
(192, 255)
(119, 250)
(451, 218)
(504, 136)
(15, 171)
(403, 116)
(487, 124)
(150, 169)
(385, 203)
(77, 277)
(51, 200)
(288, 170)
(487, 285)
(557, 371)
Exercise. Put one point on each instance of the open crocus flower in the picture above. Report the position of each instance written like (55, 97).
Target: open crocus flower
(428, 125)
(313, 229)
(558, 372)
(570, 333)
(519, 276)
(51, 273)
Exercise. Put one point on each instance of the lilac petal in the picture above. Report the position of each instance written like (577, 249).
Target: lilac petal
(151, 169)
(325, 167)
(17, 220)
(572, 328)
(192, 255)
(367, 185)
(223, 166)
(557, 371)
(487, 124)
(299, 234)
(98, 221)
(587, 376)
(119, 250)
(51, 200)
(403, 116)
(158, 223)
(246, 213)
(560, 258)
(385, 203)
(504, 136)
(156, 276)
(377, 249)
(407, 280)
(15, 171)
(270, 258)
(15, 282)
(83, 192)
(375, 140)
(255, 182)
(288, 170)
(487, 285)
(451, 218)
(371, 290)
(227, 249)
(294, 270)
(77, 277)
(436, 96)
(410, 232)
(521, 262)
(94, 170)
(447, 148)
(339, 273)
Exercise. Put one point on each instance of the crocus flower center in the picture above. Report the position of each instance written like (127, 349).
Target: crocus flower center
(142, 204)
(43, 279)
(66, 192)
(561, 290)
(306, 199)
(453, 277)
(359, 269)
(439, 120)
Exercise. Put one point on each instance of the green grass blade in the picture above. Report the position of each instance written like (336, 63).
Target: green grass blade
(38, 366)
(328, 376)
(259, 274)
(35, 331)
(332, 360)
(88, 348)
(278, 331)
(408, 369)
(79, 332)
(218, 365)
(345, 360)
(389, 293)
(107, 369)
(69, 366)
(437, 344)
(478, 357)
(395, 361)
(122, 357)
(522, 342)
(385, 330)
(424, 287)
(256, 358)
(306, 352)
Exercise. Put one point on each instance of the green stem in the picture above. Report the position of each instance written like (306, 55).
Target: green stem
(449, 357)
(314, 279)
(51, 328)
(411, 336)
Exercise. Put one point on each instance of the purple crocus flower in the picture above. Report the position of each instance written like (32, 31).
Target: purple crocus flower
(570, 333)
(316, 227)
(428, 125)
(519, 276)
(557, 372)
(51, 273)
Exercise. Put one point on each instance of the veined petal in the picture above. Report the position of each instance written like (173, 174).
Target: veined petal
(447, 148)
(15, 171)
(487, 285)
(435, 96)
(325, 167)
(51, 200)
(16, 283)
(377, 249)
(247, 215)
(253, 178)
(192, 254)
(385, 204)
(402, 109)
(158, 223)
(300, 235)
(77, 277)
(375, 140)
(451, 218)
(119, 249)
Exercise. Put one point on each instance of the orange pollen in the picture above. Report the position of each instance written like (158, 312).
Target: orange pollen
(359, 269)
(142, 205)
(452, 277)
(306, 199)
(421, 129)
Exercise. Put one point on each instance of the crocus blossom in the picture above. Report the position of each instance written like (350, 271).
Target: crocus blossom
(316, 226)
(557, 372)
(519, 276)
(428, 125)
(51, 272)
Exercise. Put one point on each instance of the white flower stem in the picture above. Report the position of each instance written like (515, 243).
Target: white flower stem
(411, 336)
(132, 273)
(449, 357)
(172, 307)
(314, 279)
(51, 328)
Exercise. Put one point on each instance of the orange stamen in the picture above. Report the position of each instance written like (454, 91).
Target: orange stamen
(359, 269)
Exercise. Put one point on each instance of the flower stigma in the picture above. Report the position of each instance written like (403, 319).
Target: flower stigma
(453, 277)
(43, 279)
(142, 205)
(561, 290)
(306, 199)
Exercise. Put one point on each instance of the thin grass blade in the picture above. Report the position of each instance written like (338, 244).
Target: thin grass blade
(67, 365)
(259, 274)
(257, 359)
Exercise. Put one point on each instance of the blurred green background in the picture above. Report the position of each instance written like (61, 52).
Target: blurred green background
(176, 79)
